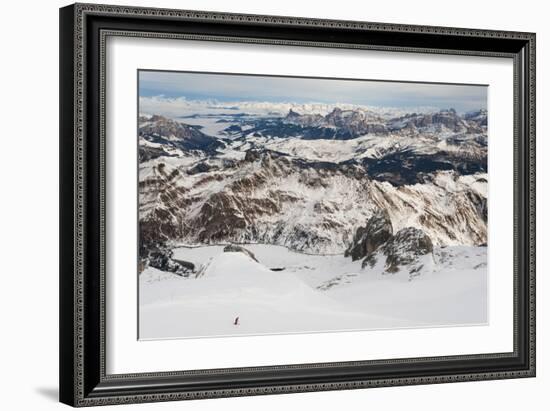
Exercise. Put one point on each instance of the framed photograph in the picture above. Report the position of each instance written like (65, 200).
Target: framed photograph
(261, 204)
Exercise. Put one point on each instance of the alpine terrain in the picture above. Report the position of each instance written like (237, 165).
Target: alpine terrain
(258, 217)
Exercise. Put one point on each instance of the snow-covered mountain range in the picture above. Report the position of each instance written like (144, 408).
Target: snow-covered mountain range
(308, 181)
(260, 218)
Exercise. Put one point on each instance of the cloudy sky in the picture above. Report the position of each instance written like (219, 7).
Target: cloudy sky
(230, 87)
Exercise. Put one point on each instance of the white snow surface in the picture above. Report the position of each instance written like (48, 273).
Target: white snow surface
(313, 293)
(336, 151)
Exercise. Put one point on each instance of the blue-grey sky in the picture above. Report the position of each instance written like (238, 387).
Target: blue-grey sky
(230, 87)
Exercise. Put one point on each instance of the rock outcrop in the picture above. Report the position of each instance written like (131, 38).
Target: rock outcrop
(170, 135)
(368, 239)
(341, 124)
(233, 248)
(376, 240)
(161, 258)
(405, 247)
(310, 196)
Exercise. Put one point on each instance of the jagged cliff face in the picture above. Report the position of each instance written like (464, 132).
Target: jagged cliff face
(276, 180)
(349, 124)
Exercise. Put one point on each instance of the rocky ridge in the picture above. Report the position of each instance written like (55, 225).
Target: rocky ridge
(200, 189)
(376, 240)
(349, 124)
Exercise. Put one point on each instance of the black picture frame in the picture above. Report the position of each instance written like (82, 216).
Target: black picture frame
(83, 30)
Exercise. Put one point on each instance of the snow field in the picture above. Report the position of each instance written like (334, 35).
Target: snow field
(313, 293)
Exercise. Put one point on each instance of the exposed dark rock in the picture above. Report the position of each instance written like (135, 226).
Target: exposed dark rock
(232, 129)
(303, 238)
(186, 264)
(356, 249)
(233, 248)
(479, 202)
(202, 167)
(160, 257)
(220, 218)
(338, 124)
(405, 247)
(406, 167)
(170, 133)
(150, 153)
(251, 205)
(376, 240)
(370, 260)
(292, 115)
(252, 155)
(447, 118)
(160, 225)
(355, 122)
(369, 238)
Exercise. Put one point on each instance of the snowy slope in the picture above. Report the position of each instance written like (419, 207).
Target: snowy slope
(297, 299)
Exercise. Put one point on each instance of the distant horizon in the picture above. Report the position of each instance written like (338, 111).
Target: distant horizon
(242, 88)
(293, 105)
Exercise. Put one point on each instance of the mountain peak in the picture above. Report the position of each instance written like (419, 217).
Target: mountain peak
(292, 114)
